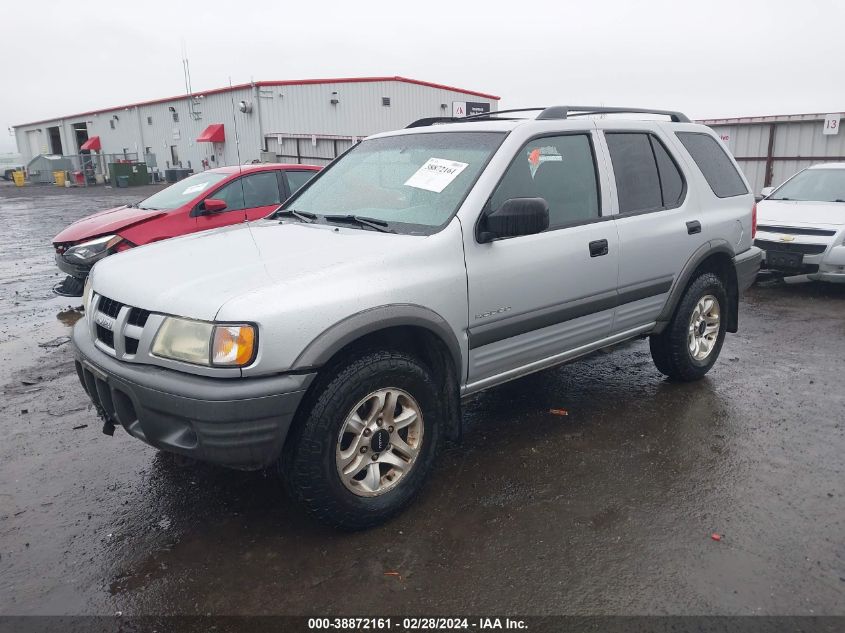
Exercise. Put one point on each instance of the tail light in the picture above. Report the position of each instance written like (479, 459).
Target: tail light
(754, 221)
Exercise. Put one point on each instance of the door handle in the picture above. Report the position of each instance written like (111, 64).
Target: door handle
(598, 248)
(693, 227)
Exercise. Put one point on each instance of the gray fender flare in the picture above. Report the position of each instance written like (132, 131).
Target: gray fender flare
(682, 280)
(353, 327)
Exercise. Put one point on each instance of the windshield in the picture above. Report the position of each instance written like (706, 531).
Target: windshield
(182, 192)
(822, 185)
(413, 182)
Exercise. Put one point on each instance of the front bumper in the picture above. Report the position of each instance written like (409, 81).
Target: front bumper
(747, 265)
(80, 271)
(822, 259)
(237, 422)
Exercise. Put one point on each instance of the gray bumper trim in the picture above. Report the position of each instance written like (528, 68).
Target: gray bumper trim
(747, 265)
(236, 422)
(80, 271)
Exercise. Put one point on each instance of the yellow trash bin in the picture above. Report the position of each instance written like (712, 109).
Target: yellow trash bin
(18, 178)
(59, 177)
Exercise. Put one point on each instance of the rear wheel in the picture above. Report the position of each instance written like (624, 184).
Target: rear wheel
(690, 344)
(366, 445)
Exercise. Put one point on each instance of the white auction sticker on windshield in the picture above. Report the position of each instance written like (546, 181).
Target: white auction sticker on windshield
(195, 188)
(436, 174)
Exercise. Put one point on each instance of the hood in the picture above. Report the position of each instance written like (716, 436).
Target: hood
(193, 276)
(800, 213)
(104, 223)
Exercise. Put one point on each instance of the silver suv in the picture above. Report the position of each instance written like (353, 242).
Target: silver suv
(336, 338)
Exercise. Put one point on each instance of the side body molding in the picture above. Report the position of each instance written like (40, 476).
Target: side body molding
(682, 280)
(353, 327)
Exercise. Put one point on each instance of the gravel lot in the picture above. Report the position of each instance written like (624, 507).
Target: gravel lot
(607, 510)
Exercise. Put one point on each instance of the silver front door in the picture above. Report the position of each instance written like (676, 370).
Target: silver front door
(536, 296)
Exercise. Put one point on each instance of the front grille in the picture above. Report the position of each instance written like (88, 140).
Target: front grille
(131, 345)
(109, 307)
(105, 336)
(135, 317)
(791, 247)
(138, 317)
(793, 230)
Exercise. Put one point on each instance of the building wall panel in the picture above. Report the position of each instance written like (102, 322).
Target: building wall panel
(282, 110)
(798, 143)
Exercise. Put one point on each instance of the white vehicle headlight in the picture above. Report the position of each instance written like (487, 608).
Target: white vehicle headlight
(203, 343)
(92, 250)
(86, 295)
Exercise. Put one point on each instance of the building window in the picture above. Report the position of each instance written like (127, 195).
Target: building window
(111, 123)
(175, 116)
(385, 101)
(149, 120)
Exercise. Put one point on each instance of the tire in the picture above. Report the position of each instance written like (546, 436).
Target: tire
(671, 349)
(311, 463)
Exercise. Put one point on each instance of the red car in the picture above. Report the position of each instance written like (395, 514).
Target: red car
(208, 200)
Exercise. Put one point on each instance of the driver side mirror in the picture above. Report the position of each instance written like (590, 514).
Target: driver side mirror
(516, 217)
(213, 205)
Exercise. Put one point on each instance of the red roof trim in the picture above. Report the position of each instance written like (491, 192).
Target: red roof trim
(214, 133)
(292, 82)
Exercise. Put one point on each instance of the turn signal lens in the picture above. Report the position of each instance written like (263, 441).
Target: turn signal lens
(233, 346)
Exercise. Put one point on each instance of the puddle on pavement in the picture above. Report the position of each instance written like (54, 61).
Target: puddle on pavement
(70, 316)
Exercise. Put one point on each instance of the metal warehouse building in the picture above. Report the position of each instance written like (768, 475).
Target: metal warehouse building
(302, 121)
(770, 149)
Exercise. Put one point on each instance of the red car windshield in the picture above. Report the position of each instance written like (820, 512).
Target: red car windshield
(182, 192)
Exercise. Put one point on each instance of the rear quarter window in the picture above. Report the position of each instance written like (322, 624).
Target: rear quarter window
(714, 163)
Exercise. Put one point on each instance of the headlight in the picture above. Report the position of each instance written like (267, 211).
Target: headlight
(93, 250)
(203, 343)
(86, 294)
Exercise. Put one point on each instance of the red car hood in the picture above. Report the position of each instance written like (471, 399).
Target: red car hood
(104, 223)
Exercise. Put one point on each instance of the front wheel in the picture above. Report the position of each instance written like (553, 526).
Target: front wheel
(365, 447)
(690, 344)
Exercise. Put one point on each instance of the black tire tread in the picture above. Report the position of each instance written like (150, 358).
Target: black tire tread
(669, 348)
(300, 464)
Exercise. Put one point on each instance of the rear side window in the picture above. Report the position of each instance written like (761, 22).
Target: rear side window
(714, 163)
(647, 179)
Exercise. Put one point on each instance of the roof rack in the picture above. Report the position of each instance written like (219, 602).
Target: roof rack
(553, 112)
(564, 112)
(472, 117)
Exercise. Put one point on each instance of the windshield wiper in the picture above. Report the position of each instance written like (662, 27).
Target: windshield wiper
(373, 223)
(305, 216)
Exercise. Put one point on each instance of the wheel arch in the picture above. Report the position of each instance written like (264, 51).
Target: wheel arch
(408, 327)
(372, 321)
(715, 256)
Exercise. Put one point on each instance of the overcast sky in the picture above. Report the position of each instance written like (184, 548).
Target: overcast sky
(706, 58)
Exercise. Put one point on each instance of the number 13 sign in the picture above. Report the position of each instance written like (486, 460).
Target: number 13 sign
(831, 124)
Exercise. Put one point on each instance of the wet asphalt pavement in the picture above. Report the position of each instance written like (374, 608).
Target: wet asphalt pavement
(606, 510)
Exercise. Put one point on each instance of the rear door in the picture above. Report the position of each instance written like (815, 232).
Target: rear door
(659, 225)
(534, 297)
